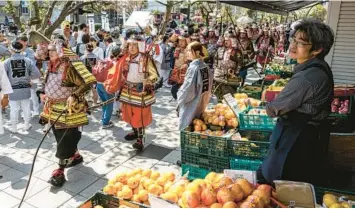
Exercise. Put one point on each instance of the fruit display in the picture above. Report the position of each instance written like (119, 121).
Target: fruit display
(218, 191)
(279, 67)
(332, 201)
(221, 115)
(257, 112)
(244, 101)
(340, 106)
(136, 184)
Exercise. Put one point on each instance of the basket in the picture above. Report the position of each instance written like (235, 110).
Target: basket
(243, 164)
(252, 91)
(321, 191)
(256, 122)
(198, 143)
(206, 162)
(194, 171)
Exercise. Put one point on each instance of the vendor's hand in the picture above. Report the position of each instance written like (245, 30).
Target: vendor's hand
(5, 101)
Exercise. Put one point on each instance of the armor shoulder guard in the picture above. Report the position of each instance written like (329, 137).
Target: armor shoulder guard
(83, 72)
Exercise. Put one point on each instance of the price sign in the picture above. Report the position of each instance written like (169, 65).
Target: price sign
(156, 202)
(232, 103)
(241, 174)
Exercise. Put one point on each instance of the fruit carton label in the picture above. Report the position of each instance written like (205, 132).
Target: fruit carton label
(241, 174)
(156, 202)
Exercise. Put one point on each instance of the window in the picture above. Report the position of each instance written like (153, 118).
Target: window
(24, 10)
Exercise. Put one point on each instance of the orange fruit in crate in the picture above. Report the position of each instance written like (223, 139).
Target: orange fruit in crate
(143, 195)
(210, 177)
(109, 189)
(155, 175)
(230, 204)
(237, 192)
(132, 182)
(170, 196)
(190, 199)
(196, 188)
(216, 205)
(147, 183)
(147, 173)
(162, 180)
(130, 174)
(146, 203)
(127, 192)
(208, 196)
(136, 190)
(246, 186)
(155, 189)
(170, 175)
(121, 177)
(135, 198)
(98, 206)
(167, 186)
(118, 186)
(137, 171)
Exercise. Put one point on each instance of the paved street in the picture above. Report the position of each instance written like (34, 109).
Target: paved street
(105, 153)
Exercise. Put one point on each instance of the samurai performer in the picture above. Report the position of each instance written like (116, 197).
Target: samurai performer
(281, 42)
(265, 49)
(254, 33)
(180, 66)
(66, 84)
(227, 65)
(134, 75)
(245, 46)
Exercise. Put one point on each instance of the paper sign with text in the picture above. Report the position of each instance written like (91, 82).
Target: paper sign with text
(237, 174)
(156, 202)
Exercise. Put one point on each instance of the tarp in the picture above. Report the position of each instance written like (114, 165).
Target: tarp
(278, 7)
(143, 18)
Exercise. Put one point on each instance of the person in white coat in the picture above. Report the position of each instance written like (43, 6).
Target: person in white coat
(5, 90)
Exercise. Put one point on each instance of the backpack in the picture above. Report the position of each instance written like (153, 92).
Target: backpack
(101, 69)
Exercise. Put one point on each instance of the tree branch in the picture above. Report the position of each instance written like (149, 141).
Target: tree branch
(48, 15)
(161, 3)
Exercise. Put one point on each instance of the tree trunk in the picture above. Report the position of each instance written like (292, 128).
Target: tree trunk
(48, 15)
(169, 8)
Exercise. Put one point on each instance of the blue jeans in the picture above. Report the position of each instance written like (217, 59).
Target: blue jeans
(106, 109)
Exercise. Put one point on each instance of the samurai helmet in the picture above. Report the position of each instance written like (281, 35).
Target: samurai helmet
(65, 24)
(137, 39)
(254, 26)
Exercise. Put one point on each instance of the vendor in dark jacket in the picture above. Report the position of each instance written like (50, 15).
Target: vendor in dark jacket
(299, 142)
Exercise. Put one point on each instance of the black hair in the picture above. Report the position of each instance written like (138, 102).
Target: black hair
(94, 39)
(82, 26)
(89, 47)
(85, 38)
(108, 39)
(115, 52)
(100, 36)
(75, 28)
(165, 38)
(22, 38)
(17, 45)
(320, 35)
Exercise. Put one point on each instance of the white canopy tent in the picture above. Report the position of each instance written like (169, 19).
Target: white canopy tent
(143, 18)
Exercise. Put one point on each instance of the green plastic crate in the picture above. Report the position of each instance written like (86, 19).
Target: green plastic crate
(252, 91)
(216, 146)
(262, 83)
(207, 162)
(272, 72)
(256, 122)
(194, 171)
(255, 135)
(250, 150)
(338, 115)
(320, 191)
(243, 164)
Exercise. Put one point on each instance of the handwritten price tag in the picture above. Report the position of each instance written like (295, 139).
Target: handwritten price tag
(237, 174)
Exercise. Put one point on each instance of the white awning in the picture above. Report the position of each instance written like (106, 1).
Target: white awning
(143, 18)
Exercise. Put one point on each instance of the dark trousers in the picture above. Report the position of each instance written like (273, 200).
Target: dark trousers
(67, 142)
